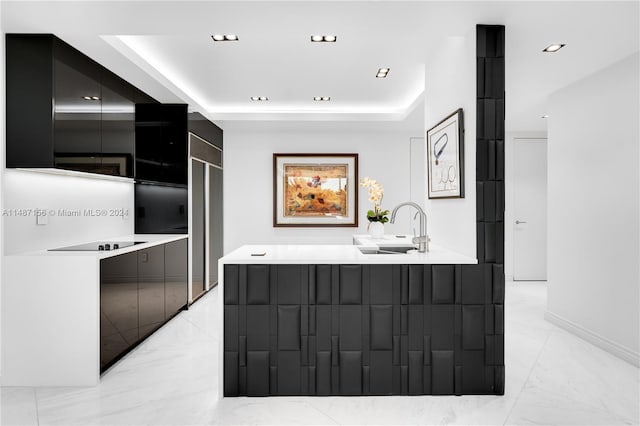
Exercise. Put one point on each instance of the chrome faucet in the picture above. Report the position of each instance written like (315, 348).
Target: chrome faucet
(423, 239)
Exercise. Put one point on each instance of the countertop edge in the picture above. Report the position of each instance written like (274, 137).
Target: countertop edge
(151, 240)
(338, 254)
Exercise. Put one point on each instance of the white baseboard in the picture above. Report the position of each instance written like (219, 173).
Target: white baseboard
(613, 348)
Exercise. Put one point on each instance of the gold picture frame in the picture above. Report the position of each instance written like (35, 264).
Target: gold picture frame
(315, 190)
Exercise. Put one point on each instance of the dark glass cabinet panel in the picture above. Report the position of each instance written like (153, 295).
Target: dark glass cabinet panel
(77, 111)
(215, 223)
(65, 110)
(118, 306)
(161, 209)
(118, 126)
(150, 289)
(200, 126)
(29, 91)
(198, 228)
(139, 292)
(176, 277)
(161, 143)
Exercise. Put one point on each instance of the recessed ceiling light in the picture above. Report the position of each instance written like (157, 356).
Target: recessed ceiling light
(95, 98)
(553, 48)
(321, 98)
(545, 116)
(91, 98)
(225, 37)
(87, 98)
(324, 38)
(259, 98)
(382, 72)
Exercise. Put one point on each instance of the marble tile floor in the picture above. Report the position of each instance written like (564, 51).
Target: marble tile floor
(552, 377)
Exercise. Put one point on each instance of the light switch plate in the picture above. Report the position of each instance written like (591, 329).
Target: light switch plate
(42, 219)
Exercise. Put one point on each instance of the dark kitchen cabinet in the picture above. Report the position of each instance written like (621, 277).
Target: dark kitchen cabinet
(65, 110)
(118, 306)
(76, 120)
(176, 277)
(161, 143)
(118, 123)
(151, 292)
(139, 292)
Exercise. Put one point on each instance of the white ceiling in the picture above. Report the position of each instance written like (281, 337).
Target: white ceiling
(164, 47)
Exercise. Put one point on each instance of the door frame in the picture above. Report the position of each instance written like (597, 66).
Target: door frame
(509, 210)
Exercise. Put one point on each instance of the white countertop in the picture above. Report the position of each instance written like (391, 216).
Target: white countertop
(150, 240)
(338, 254)
(386, 240)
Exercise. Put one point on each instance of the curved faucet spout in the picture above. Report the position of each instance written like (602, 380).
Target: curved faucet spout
(423, 239)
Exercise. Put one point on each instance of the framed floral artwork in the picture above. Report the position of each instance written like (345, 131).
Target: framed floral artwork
(445, 157)
(315, 190)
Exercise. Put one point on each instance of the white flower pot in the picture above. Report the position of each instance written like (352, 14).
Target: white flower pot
(376, 229)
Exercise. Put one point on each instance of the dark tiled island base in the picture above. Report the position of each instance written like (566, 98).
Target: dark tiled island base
(363, 329)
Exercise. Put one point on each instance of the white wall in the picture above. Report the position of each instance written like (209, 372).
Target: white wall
(593, 176)
(248, 176)
(51, 192)
(2, 151)
(450, 83)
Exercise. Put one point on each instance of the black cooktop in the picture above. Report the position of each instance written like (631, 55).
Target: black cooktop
(99, 246)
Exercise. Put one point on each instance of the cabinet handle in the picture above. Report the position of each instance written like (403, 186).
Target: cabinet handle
(518, 222)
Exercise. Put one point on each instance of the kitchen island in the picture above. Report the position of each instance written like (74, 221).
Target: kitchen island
(331, 320)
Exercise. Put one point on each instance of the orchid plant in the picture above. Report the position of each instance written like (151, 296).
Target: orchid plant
(376, 193)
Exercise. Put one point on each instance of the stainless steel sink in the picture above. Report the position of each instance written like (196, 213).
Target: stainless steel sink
(386, 250)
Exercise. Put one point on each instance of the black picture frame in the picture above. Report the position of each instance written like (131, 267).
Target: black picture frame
(445, 157)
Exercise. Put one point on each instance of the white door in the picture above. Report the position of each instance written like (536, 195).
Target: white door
(530, 210)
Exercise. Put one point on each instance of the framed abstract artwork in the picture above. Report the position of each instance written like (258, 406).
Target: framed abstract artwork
(315, 190)
(445, 157)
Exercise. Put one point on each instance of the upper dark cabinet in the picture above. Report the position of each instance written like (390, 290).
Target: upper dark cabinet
(161, 143)
(65, 110)
(200, 126)
(77, 138)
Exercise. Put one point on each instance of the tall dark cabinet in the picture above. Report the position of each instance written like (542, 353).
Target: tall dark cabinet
(206, 187)
(65, 110)
(179, 159)
(161, 191)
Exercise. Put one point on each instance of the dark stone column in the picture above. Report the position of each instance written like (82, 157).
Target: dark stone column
(490, 218)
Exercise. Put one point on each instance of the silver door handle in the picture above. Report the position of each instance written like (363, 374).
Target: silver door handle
(518, 222)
